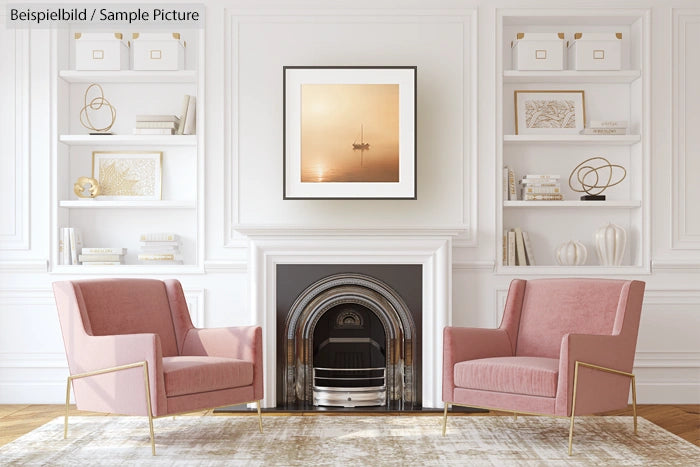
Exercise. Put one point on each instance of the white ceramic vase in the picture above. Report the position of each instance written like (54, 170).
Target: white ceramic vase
(572, 253)
(610, 243)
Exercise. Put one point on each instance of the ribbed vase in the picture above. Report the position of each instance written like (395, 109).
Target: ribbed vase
(572, 253)
(610, 243)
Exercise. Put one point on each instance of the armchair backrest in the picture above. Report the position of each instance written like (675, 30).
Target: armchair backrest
(127, 306)
(552, 308)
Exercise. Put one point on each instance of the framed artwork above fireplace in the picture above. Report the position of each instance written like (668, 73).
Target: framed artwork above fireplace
(349, 132)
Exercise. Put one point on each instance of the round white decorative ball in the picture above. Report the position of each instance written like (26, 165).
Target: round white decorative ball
(572, 253)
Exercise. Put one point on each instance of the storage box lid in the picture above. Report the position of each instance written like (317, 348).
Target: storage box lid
(99, 36)
(158, 36)
(537, 36)
(597, 36)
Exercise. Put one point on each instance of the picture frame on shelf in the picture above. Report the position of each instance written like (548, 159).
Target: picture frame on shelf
(128, 175)
(349, 132)
(547, 112)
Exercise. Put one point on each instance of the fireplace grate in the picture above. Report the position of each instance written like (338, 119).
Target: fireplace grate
(349, 387)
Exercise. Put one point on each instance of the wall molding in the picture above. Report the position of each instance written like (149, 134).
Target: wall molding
(236, 17)
(24, 266)
(19, 237)
(682, 237)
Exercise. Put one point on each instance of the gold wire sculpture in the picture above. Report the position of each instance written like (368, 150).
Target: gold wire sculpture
(96, 103)
(595, 186)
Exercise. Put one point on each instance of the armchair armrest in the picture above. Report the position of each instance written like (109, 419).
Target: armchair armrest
(597, 391)
(461, 344)
(104, 352)
(242, 343)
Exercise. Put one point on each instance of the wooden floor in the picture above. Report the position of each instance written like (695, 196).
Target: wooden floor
(682, 420)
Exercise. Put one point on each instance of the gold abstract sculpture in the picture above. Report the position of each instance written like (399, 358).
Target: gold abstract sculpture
(86, 187)
(95, 104)
(595, 175)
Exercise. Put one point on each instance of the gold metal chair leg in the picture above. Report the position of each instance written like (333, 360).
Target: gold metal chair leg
(634, 403)
(65, 423)
(148, 406)
(259, 416)
(515, 415)
(573, 408)
(444, 419)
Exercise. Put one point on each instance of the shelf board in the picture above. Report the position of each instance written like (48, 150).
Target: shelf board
(572, 203)
(571, 76)
(128, 76)
(129, 140)
(127, 269)
(128, 204)
(570, 270)
(585, 139)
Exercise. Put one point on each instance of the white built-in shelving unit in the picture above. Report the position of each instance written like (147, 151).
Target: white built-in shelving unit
(608, 95)
(114, 222)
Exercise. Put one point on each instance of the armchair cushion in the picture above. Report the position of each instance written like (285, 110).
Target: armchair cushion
(195, 374)
(535, 376)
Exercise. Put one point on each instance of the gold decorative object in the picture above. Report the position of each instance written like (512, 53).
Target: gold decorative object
(95, 104)
(128, 175)
(86, 187)
(588, 175)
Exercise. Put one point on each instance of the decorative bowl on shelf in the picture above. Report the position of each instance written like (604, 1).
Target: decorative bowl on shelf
(571, 253)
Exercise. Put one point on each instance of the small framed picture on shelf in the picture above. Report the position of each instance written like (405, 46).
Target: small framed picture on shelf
(349, 132)
(128, 175)
(543, 112)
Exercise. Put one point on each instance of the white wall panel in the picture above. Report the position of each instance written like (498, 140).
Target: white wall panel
(14, 131)
(686, 121)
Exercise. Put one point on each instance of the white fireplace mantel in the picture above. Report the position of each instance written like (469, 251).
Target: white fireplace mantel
(429, 247)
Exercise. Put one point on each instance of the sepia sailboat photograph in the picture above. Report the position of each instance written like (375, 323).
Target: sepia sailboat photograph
(349, 133)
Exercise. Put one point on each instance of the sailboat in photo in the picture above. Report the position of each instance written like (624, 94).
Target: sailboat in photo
(361, 146)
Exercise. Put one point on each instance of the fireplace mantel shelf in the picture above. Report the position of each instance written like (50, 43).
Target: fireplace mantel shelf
(290, 231)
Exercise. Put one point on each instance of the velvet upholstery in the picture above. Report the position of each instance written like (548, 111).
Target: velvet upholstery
(111, 322)
(527, 364)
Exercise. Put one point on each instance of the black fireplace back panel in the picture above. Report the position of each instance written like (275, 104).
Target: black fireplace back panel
(406, 279)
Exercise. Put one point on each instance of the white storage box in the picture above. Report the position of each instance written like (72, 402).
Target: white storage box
(158, 51)
(101, 51)
(538, 51)
(596, 51)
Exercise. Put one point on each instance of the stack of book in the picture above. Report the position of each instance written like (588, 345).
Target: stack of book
(99, 256)
(606, 127)
(156, 124)
(509, 191)
(517, 249)
(536, 187)
(188, 117)
(160, 248)
(70, 242)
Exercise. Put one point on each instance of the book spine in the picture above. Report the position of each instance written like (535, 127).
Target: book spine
(100, 257)
(511, 248)
(608, 124)
(153, 131)
(65, 233)
(540, 177)
(505, 183)
(512, 193)
(101, 263)
(190, 120)
(529, 252)
(145, 125)
(540, 190)
(103, 251)
(543, 197)
(163, 257)
(520, 248)
(72, 243)
(505, 247)
(156, 118)
(183, 114)
(158, 237)
(604, 131)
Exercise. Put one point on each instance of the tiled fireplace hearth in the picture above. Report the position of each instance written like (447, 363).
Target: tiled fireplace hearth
(328, 251)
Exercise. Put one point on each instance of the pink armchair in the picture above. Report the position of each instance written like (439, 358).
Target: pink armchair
(565, 347)
(132, 350)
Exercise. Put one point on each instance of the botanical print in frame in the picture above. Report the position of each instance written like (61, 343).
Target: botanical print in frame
(549, 112)
(125, 175)
(349, 132)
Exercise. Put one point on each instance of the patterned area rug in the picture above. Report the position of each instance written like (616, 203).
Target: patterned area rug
(349, 440)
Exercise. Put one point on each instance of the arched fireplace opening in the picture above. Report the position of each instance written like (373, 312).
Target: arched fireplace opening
(350, 341)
